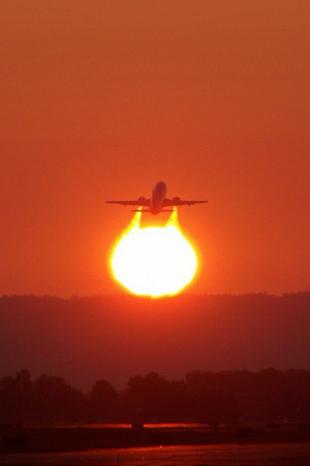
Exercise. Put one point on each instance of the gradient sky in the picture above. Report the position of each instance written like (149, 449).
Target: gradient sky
(100, 99)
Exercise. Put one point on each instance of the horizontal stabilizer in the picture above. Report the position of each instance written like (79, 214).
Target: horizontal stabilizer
(149, 211)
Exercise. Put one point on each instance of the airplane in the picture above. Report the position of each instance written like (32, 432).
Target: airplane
(158, 202)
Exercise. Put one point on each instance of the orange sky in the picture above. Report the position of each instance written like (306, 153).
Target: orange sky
(100, 99)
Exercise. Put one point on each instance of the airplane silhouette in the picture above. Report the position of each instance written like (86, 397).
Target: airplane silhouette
(158, 201)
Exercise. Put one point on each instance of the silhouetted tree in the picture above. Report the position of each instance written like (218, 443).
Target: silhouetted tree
(147, 394)
(103, 401)
(213, 397)
(57, 401)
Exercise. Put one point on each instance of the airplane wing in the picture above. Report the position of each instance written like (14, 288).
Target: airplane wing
(142, 202)
(179, 202)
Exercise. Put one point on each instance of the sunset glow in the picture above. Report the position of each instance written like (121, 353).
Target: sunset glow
(154, 261)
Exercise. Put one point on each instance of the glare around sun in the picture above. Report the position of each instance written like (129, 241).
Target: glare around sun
(153, 261)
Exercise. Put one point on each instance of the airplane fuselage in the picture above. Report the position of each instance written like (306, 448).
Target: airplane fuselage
(158, 196)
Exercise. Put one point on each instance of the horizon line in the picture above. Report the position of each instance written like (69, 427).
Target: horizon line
(147, 298)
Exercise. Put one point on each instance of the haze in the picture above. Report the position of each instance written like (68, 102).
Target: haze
(102, 99)
(85, 339)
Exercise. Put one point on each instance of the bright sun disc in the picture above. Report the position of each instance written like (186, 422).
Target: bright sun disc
(154, 261)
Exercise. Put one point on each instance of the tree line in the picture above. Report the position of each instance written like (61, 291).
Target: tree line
(213, 397)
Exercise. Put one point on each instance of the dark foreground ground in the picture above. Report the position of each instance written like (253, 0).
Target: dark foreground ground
(77, 438)
(290, 454)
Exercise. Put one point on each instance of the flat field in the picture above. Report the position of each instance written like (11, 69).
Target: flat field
(292, 454)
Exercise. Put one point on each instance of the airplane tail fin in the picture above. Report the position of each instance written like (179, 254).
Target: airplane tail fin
(149, 211)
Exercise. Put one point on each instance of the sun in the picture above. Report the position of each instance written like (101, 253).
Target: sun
(154, 261)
